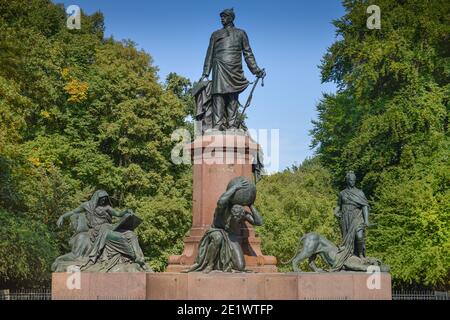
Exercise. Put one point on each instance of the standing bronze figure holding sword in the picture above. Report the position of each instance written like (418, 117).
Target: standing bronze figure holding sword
(224, 59)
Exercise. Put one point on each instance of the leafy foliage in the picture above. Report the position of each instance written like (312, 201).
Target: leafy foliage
(413, 217)
(26, 247)
(81, 112)
(167, 220)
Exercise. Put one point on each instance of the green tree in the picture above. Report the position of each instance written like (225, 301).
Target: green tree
(413, 222)
(80, 112)
(167, 219)
(26, 247)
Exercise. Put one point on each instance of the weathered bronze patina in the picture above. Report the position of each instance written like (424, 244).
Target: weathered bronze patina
(220, 248)
(217, 101)
(98, 244)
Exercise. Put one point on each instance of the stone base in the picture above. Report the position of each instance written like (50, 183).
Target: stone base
(99, 286)
(255, 262)
(222, 286)
(177, 268)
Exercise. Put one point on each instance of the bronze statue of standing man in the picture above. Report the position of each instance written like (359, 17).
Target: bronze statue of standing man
(352, 212)
(224, 59)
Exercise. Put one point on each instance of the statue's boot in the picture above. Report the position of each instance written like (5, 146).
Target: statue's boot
(361, 248)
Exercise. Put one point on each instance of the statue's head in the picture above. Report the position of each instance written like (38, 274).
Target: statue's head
(103, 198)
(237, 211)
(350, 177)
(227, 17)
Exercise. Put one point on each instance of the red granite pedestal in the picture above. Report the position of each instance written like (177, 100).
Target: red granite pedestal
(218, 158)
(223, 286)
(99, 286)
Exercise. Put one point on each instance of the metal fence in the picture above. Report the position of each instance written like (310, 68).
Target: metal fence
(26, 294)
(46, 294)
(420, 295)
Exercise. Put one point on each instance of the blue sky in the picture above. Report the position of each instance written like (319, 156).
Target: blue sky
(288, 38)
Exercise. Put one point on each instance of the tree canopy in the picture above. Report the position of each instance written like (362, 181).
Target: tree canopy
(79, 112)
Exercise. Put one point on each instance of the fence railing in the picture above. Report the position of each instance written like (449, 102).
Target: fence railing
(26, 294)
(46, 294)
(420, 295)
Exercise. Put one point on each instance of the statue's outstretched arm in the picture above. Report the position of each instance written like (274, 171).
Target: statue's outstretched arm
(255, 218)
(226, 196)
(116, 213)
(68, 214)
